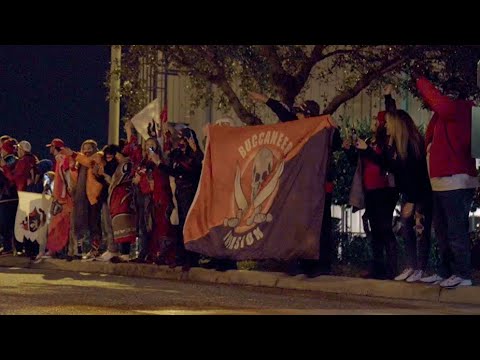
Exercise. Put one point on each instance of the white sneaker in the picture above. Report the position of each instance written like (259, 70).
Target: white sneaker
(106, 256)
(454, 281)
(433, 279)
(38, 259)
(416, 276)
(404, 275)
(125, 258)
(92, 255)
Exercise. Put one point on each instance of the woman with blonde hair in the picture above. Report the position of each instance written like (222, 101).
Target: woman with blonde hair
(407, 161)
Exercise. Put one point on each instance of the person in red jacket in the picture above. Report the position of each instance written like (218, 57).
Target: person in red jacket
(453, 177)
(381, 196)
(23, 173)
(154, 181)
(8, 156)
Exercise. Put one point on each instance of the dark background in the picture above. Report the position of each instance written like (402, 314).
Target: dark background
(49, 91)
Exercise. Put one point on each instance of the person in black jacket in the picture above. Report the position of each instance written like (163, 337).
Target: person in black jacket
(406, 159)
(186, 167)
(307, 109)
(380, 193)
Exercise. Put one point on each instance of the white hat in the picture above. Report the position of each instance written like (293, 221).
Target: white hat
(25, 145)
(225, 120)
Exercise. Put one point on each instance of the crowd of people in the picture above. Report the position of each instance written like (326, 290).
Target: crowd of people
(139, 192)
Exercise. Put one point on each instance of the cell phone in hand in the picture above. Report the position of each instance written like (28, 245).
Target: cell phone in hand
(187, 133)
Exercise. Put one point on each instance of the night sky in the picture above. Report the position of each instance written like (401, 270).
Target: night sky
(49, 91)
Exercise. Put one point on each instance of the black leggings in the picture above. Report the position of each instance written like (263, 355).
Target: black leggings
(416, 221)
(380, 205)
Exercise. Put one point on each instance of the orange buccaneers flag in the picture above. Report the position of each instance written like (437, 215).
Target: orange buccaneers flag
(261, 193)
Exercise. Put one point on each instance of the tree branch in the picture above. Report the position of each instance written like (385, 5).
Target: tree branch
(303, 75)
(244, 115)
(365, 81)
(217, 77)
(270, 53)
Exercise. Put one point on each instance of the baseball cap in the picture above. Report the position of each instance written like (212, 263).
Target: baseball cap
(58, 143)
(25, 145)
(9, 146)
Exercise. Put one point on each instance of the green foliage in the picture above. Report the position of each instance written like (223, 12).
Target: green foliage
(452, 68)
(355, 251)
(285, 71)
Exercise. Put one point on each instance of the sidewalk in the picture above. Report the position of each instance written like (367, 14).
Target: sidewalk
(325, 284)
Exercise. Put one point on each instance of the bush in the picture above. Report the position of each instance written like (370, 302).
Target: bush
(345, 170)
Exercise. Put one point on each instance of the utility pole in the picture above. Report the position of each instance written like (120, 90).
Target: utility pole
(114, 105)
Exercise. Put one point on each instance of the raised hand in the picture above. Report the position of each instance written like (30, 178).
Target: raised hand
(347, 143)
(257, 97)
(361, 144)
(387, 90)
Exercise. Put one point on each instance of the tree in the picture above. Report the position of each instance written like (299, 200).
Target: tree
(284, 71)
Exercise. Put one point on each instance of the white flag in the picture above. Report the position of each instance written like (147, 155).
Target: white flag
(149, 114)
(32, 217)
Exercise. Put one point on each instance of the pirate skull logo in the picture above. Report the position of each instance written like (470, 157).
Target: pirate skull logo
(35, 220)
(264, 182)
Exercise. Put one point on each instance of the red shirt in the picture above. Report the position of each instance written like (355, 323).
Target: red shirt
(449, 132)
(21, 172)
(373, 176)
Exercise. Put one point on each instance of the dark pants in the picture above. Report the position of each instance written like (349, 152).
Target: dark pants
(380, 205)
(324, 263)
(125, 248)
(8, 212)
(326, 237)
(185, 195)
(416, 229)
(87, 225)
(143, 234)
(450, 220)
(94, 221)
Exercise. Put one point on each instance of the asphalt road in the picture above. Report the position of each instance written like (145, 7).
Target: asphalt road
(50, 292)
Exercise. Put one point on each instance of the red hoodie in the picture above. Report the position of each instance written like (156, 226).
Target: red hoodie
(449, 132)
(22, 171)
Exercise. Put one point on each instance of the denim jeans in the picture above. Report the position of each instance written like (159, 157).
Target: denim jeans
(450, 221)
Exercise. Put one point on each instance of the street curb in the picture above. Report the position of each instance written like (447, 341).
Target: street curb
(323, 284)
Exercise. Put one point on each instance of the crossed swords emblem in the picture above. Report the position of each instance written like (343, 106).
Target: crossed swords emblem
(261, 190)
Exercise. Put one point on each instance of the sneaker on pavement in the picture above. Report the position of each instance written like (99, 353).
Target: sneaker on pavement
(38, 259)
(125, 258)
(106, 256)
(49, 255)
(405, 274)
(433, 279)
(416, 276)
(92, 255)
(454, 281)
(120, 259)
